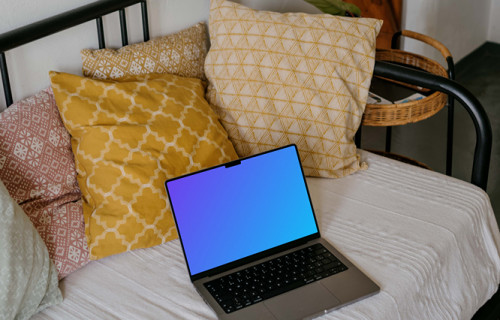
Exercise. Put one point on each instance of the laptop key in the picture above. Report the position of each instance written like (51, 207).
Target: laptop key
(308, 280)
(271, 278)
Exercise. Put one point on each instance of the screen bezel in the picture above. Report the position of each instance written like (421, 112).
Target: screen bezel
(257, 256)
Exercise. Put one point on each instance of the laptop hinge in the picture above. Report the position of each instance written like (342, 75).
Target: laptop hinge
(255, 257)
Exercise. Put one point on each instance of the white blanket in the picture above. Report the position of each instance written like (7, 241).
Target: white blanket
(431, 242)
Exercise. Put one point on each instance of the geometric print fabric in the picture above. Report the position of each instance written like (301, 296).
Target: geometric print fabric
(38, 170)
(128, 137)
(287, 78)
(63, 231)
(182, 53)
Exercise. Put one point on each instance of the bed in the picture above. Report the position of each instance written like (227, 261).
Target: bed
(431, 242)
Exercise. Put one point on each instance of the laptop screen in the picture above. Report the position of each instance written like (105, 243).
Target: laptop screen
(233, 211)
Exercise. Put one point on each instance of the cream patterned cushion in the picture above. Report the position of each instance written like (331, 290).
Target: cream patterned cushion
(182, 53)
(128, 137)
(287, 78)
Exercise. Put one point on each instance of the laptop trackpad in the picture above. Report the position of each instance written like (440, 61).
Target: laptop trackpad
(302, 302)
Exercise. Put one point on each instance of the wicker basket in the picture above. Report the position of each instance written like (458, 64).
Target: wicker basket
(398, 114)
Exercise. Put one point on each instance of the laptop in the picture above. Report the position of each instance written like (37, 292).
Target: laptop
(252, 244)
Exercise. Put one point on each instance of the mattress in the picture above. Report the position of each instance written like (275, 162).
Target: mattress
(431, 242)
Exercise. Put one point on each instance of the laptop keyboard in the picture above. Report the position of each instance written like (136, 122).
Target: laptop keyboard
(271, 278)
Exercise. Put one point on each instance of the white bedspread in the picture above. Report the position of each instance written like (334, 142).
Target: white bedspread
(431, 242)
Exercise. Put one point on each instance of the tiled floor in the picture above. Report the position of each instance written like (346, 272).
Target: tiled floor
(425, 141)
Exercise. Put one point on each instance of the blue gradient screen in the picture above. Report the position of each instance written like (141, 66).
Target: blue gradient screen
(225, 214)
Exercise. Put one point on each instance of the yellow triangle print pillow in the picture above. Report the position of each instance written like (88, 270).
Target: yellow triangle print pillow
(298, 78)
(128, 137)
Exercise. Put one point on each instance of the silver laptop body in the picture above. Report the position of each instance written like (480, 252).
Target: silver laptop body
(239, 216)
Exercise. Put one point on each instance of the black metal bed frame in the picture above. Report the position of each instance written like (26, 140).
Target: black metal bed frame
(450, 106)
(96, 10)
(65, 20)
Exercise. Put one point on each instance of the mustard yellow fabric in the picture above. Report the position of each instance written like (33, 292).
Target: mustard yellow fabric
(291, 78)
(128, 137)
(182, 53)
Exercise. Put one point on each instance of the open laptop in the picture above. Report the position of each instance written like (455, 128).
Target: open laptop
(252, 243)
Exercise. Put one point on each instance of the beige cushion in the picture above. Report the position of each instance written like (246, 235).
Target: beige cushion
(287, 78)
(182, 53)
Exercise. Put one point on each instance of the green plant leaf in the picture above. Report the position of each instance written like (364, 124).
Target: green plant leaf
(335, 7)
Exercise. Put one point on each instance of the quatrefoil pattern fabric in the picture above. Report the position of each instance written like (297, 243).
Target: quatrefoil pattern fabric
(287, 78)
(182, 53)
(128, 137)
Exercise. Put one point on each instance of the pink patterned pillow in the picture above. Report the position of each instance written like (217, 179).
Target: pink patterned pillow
(38, 169)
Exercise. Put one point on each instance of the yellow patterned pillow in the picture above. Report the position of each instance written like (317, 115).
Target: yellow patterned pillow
(181, 53)
(128, 137)
(291, 78)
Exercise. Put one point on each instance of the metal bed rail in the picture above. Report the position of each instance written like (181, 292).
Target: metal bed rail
(482, 151)
(63, 21)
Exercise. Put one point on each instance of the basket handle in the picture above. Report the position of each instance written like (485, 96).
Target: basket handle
(430, 41)
(424, 38)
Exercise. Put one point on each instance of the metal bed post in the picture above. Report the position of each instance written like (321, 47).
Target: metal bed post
(388, 139)
(5, 80)
(388, 130)
(451, 119)
(123, 27)
(100, 33)
(145, 22)
(357, 136)
(482, 152)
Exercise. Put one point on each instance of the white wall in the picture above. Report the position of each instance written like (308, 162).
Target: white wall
(461, 25)
(494, 30)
